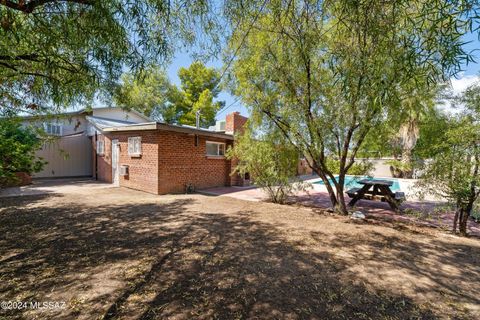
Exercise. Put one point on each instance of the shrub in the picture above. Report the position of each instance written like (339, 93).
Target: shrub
(270, 163)
(17, 150)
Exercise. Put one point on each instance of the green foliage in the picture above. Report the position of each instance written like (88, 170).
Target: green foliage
(326, 73)
(453, 172)
(404, 126)
(359, 168)
(433, 127)
(199, 87)
(398, 167)
(149, 93)
(59, 52)
(17, 149)
(154, 95)
(270, 163)
(55, 53)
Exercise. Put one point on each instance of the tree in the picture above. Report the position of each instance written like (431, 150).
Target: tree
(199, 87)
(54, 53)
(17, 147)
(453, 172)
(432, 129)
(150, 93)
(153, 94)
(270, 162)
(398, 135)
(418, 100)
(325, 73)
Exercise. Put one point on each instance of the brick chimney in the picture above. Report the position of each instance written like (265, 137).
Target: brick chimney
(234, 123)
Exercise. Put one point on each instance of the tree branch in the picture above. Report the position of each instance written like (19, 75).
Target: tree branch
(29, 7)
(30, 57)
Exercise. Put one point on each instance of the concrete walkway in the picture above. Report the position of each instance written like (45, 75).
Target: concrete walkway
(54, 186)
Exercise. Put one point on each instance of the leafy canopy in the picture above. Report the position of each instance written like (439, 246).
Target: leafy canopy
(453, 171)
(55, 53)
(149, 93)
(153, 94)
(326, 72)
(199, 87)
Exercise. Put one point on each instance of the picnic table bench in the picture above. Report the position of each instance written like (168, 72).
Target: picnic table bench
(377, 190)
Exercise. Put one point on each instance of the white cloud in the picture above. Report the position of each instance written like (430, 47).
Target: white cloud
(463, 82)
(456, 87)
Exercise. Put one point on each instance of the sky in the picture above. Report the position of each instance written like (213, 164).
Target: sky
(468, 76)
(183, 59)
(472, 70)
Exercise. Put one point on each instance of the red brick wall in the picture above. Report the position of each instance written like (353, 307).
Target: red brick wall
(169, 161)
(234, 122)
(143, 169)
(181, 163)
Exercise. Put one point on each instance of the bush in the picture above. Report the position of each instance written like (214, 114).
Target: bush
(17, 150)
(270, 163)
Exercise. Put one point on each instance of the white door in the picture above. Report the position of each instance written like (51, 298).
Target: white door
(115, 158)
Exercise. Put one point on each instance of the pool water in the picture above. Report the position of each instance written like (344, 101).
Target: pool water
(352, 182)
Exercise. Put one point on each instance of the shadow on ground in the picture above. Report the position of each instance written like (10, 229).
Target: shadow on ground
(163, 260)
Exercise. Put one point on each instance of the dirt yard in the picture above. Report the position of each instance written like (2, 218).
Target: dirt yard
(121, 254)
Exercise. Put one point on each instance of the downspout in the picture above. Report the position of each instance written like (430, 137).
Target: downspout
(95, 155)
(197, 123)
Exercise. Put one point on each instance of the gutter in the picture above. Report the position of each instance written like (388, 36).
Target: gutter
(168, 127)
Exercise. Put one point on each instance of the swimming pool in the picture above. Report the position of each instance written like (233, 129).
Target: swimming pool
(352, 182)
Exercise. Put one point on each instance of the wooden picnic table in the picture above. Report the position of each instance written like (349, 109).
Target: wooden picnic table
(377, 190)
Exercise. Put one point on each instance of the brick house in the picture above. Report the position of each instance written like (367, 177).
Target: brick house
(161, 158)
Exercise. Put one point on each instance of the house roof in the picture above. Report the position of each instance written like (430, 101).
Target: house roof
(82, 111)
(102, 123)
(166, 127)
(141, 115)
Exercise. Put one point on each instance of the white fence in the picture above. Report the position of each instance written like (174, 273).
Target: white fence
(380, 169)
(69, 156)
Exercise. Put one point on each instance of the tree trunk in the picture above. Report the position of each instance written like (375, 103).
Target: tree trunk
(463, 220)
(407, 162)
(341, 207)
(408, 135)
(455, 220)
(331, 192)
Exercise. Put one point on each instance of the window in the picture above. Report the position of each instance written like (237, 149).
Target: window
(135, 146)
(215, 148)
(54, 129)
(100, 147)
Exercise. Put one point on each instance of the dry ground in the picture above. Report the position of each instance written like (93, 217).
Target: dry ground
(121, 254)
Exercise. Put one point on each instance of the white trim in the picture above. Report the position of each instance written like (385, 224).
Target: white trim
(133, 127)
(132, 144)
(115, 170)
(100, 147)
(218, 148)
(53, 124)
